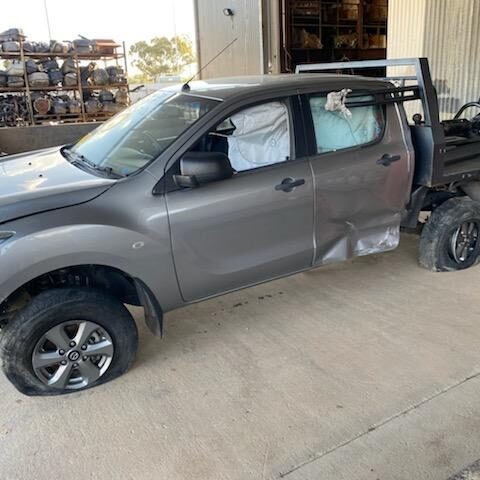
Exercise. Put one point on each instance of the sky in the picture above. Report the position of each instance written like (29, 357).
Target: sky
(130, 21)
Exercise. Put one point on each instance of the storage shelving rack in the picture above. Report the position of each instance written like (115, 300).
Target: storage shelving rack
(327, 20)
(118, 56)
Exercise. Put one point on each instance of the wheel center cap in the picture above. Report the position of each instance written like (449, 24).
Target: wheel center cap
(73, 356)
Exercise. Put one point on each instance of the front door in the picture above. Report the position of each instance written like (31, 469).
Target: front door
(254, 226)
(363, 171)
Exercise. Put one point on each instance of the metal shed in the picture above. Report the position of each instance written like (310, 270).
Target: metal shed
(445, 31)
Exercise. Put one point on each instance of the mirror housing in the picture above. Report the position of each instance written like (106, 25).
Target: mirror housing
(198, 168)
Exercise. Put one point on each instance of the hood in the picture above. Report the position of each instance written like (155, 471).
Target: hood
(44, 180)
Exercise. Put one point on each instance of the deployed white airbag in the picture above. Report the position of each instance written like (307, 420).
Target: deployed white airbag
(335, 131)
(261, 136)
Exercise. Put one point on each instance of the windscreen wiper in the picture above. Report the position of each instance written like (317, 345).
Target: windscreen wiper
(77, 158)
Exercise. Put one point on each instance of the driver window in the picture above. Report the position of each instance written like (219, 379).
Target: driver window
(252, 138)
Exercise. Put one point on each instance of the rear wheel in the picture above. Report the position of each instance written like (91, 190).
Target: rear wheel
(450, 239)
(68, 340)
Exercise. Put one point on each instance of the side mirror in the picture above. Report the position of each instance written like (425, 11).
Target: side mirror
(198, 168)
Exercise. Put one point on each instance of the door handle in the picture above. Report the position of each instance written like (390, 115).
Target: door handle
(288, 184)
(388, 159)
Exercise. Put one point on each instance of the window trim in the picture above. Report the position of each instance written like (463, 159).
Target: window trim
(310, 126)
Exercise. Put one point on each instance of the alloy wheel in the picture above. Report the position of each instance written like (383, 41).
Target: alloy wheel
(72, 355)
(464, 241)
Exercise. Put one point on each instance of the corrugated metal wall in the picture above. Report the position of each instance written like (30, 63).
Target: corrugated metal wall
(215, 31)
(406, 27)
(447, 32)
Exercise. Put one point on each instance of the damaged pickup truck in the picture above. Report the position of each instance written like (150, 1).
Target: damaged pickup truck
(215, 186)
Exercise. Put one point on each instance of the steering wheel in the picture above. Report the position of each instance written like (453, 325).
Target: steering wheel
(467, 105)
(153, 141)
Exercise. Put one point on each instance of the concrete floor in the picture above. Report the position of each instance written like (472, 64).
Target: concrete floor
(364, 370)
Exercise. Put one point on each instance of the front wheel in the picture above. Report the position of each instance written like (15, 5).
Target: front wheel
(450, 239)
(66, 340)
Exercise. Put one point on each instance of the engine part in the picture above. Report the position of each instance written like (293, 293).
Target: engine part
(38, 79)
(100, 76)
(58, 47)
(105, 96)
(42, 47)
(11, 35)
(42, 105)
(59, 107)
(15, 81)
(50, 64)
(13, 111)
(69, 66)
(31, 66)
(82, 45)
(55, 77)
(11, 47)
(74, 106)
(15, 69)
(70, 80)
(29, 47)
(113, 74)
(92, 106)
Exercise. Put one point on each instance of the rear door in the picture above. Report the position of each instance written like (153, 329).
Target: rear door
(256, 225)
(363, 169)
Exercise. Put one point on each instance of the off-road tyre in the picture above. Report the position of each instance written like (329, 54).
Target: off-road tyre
(436, 250)
(53, 308)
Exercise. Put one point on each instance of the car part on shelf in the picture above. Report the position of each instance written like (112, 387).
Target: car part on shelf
(13, 111)
(100, 76)
(92, 106)
(42, 105)
(70, 80)
(105, 96)
(47, 89)
(38, 79)
(74, 106)
(60, 107)
(55, 77)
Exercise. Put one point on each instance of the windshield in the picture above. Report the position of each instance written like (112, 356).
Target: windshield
(133, 138)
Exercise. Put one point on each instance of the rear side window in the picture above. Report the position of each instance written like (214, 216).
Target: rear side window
(334, 131)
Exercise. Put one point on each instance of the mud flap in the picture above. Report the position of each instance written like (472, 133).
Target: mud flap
(153, 311)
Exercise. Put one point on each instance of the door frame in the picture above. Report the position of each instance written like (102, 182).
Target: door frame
(299, 135)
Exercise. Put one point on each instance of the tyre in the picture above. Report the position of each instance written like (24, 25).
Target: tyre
(450, 239)
(66, 340)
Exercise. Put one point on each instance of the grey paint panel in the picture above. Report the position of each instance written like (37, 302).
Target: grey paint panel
(241, 231)
(111, 230)
(359, 204)
(39, 181)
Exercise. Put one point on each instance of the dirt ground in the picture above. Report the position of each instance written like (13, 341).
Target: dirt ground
(364, 370)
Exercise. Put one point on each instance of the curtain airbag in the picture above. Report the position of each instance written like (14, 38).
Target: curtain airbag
(261, 136)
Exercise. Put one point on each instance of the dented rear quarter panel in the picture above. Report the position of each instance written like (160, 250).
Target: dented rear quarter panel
(358, 203)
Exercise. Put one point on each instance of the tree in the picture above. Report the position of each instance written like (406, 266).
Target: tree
(162, 56)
